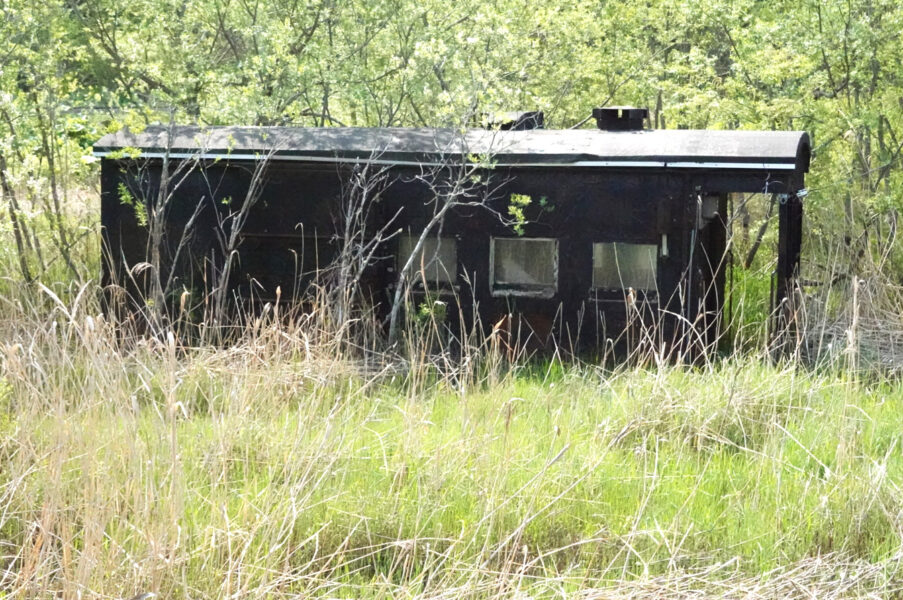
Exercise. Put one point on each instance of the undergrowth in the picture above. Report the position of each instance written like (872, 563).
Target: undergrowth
(280, 467)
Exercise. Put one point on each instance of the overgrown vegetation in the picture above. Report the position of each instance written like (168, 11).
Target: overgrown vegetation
(70, 71)
(276, 468)
(285, 465)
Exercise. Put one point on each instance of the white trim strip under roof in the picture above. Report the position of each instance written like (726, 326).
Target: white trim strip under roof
(582, 163)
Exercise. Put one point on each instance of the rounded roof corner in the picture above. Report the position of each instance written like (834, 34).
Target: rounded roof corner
(804, 152)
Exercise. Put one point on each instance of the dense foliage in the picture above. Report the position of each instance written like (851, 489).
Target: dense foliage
(72, 69)
(280, 468)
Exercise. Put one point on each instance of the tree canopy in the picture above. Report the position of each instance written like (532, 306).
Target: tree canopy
(72, 69)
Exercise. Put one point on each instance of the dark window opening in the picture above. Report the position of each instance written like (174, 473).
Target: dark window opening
(524, 267)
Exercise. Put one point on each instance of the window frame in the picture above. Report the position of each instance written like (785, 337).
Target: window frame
(414, 278)
(620, 289)
(506, 290)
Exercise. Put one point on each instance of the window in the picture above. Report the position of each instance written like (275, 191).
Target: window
(438, 258)
(617, 265)
(524, 267)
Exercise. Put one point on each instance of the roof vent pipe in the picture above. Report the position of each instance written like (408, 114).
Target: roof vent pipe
(620, 118)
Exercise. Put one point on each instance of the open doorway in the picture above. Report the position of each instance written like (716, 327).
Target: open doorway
(763, 241)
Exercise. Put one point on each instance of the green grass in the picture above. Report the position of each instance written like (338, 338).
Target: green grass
(280, 467)
(259, 472)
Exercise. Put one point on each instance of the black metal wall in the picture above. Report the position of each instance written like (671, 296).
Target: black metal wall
(295, 225)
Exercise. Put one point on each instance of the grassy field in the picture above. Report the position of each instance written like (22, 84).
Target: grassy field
(276, 468)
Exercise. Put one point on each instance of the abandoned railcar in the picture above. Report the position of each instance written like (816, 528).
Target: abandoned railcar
(573, 232)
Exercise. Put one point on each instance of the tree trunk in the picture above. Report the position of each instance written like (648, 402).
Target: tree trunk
(14, 219)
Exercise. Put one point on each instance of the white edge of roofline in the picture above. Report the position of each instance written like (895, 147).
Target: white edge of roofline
(779, 166)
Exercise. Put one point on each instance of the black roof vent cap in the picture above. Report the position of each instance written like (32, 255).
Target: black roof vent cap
(620, 118)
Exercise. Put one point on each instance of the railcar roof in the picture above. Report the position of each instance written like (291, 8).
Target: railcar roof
(663, 148)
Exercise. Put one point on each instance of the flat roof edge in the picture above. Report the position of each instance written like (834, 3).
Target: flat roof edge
(411, 146)
(639, 163)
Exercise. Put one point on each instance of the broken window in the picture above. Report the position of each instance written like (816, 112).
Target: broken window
(438, 258)
(524, 266)
(619, 265)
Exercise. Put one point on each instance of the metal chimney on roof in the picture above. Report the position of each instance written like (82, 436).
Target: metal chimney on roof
(620, 118)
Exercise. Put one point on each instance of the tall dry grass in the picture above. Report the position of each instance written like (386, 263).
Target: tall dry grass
(287, 466)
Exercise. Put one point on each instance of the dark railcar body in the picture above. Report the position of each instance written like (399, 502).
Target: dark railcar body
(659, 196)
